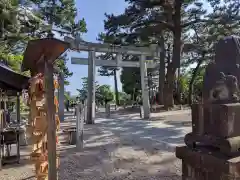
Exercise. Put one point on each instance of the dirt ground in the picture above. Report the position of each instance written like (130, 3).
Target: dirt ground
(123, 147)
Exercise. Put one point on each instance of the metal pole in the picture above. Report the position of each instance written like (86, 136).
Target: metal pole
(144, 84)
(51, 132)
(91, 89)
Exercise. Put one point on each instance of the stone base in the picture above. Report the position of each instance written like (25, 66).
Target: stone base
(227, 146)
(207, 164)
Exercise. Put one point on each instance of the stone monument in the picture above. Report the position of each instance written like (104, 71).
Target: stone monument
(212, 150)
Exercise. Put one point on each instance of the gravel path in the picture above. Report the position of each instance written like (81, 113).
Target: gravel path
(122, 148)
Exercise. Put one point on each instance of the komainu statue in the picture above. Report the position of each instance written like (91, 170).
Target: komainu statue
(225, 90)
(216, 122)
(224, 70)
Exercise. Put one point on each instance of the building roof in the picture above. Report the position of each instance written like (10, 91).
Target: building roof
(12, 81)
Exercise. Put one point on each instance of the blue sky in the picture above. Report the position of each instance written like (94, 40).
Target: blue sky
(93, 12)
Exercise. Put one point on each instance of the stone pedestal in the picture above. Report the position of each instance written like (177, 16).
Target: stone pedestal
(219, 120)
(207, 164)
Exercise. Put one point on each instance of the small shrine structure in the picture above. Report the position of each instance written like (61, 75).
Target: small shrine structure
(11, 86)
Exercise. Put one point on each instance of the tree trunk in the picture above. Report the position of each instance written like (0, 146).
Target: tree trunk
(178, 88)
(168, 88)
(161, 78)
(116, 87)
(172, 67)
(194, 75)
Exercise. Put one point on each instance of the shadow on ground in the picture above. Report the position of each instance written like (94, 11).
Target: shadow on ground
(126, 147)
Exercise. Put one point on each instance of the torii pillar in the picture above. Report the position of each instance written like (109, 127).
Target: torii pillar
(91, 87)
(144, 85)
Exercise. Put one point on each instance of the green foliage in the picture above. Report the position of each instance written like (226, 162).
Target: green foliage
(103, 92)
(8, 18)
(223, 21)
(61, 64)
(67, 96)
(14, 61)
(18, 25)
(183, 25)
(198, 83)
(124, 98)
(106, 71)
(61, 16)
(83, 92)
(72, 100)
(131, 82)
(184, 80)
(145, 22)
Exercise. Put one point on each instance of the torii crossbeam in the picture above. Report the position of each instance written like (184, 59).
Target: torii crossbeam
(79, 45)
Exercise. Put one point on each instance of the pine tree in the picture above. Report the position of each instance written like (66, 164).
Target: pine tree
(18, 24)
(8, 23)
(16, 28)
(146, 20)
(61, 15)
(223, 21)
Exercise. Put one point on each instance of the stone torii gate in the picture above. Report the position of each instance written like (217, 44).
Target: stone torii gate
(78, 45)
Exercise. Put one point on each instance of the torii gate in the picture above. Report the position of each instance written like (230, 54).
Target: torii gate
(78, 45)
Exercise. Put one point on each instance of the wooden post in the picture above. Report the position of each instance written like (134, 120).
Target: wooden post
(1, 128)
(5, 102)
(1, 146)
(81, 124)
(51, 132)
(79, 128)
(18, 121)
(18, 107)
(61, 97)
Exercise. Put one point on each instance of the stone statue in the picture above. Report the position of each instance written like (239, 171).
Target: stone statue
(212, 149)
(220, 111)
(226, 90)
(222, 75)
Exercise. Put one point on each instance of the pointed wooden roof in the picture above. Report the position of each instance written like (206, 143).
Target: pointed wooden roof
(38, 50)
